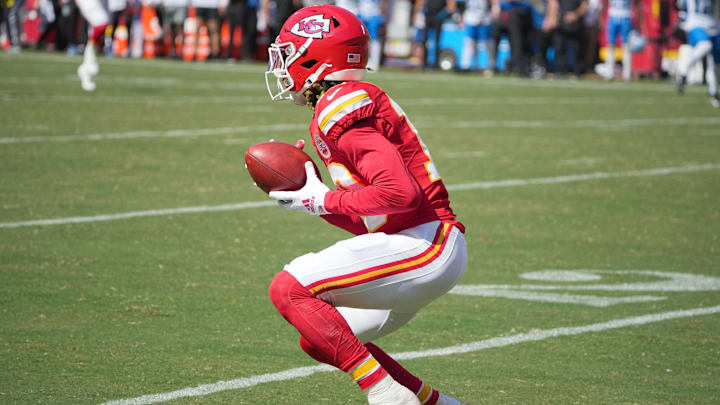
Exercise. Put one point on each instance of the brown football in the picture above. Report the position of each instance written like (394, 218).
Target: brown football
(277, 166)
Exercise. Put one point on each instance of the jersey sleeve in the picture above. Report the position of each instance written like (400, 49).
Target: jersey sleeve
(341, 107)
(391, 188)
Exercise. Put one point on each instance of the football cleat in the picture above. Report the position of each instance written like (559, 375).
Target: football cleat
(447, 400)
(681, 83)
(715, 101)
(85, 73)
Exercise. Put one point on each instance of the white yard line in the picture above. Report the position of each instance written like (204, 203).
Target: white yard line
(455, 187)
(440, 123)
(496, 342)
(582, 177)
(176, 133)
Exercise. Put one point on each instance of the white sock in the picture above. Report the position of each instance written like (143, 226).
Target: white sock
(610, 62)
(626, 62)
(710, 75)
(375, 54)
(90, 59)
(468, 52)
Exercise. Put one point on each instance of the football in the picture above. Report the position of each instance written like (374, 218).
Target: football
(277, 166)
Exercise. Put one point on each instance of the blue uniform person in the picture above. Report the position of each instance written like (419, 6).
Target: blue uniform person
(703, 34)
(620, 24)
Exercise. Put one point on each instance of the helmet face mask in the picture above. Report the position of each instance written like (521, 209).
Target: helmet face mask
(316, 43)
(279, 57)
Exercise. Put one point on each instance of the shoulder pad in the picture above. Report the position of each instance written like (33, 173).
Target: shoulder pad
(342, 106)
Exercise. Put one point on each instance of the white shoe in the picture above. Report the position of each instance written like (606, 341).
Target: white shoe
(389, 392)
(86, 73)
(446, 400)
(715, 101)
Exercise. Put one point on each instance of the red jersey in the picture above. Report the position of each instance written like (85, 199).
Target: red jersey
(386, 180)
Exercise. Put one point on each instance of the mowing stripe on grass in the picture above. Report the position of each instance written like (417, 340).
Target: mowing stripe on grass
(500, 341)
(455, 187)
(438, 123)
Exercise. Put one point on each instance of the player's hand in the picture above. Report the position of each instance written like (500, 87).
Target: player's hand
(300, 144)
(309, 199)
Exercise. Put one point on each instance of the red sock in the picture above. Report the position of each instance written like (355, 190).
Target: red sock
(425, 393)
(325, 335)
(98, 32)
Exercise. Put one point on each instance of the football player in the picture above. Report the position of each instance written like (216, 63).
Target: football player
(703, 34)
(478, 27)
(619, 23)
(95, 12)
(409, 248)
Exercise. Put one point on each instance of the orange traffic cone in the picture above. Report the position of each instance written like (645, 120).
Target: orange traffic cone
(151, 30)
(189, 28)
(120, 43)
(203, 46)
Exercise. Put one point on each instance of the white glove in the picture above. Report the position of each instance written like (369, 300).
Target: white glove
(310, 198)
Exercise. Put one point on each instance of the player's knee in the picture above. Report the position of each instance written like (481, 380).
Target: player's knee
(279, 291)
(285, 288)
(98, 32)
(313, 352)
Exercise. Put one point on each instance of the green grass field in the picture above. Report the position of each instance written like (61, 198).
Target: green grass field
(135, 266)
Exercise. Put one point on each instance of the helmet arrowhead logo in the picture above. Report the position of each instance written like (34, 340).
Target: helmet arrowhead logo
(312, 26)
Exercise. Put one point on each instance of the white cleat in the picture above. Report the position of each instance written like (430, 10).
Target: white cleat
(389, 392)
(86, 73)
(446, 400)
(715, 101)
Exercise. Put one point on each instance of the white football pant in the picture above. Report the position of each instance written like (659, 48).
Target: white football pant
(379, 281)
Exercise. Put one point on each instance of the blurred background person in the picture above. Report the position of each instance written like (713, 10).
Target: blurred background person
(276, 12)
(476, 21)
(592, 18)
(569, 36)
(14, 24)
(544, 36)
(207, 12)
(434, 13)
(373, 14)
(703, 34)
(119, 15)
(619, 24)
(174, 13)
(243, 14)
(513, 18)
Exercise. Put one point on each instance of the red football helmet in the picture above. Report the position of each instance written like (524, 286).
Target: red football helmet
(316, 43)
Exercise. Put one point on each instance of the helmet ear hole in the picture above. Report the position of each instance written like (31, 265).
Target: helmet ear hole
(335, 22)
(309, 64)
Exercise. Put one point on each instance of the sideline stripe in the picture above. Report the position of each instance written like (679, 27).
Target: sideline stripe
(455, 187)
(501, 341)
(437, 123)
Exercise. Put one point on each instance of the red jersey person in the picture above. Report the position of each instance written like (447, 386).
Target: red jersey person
(96, 14)
(410, 247)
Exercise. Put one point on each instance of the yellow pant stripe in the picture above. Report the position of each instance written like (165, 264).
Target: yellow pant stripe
(424, 393)
(364, 369)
